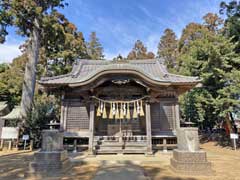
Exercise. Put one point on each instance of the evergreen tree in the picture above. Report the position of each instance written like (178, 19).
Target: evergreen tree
(139, 51)
(27, 16)
(212, 58)
(11, 80)
(232, 23)
(167, 48)
(61, 45)
(94, 47)
(212, 22)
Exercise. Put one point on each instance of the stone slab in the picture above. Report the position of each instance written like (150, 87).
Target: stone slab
(52, 140)
(51, 160)
(188, 139)
(194, 163)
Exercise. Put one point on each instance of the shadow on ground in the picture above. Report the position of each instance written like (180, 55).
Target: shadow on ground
(14, 166)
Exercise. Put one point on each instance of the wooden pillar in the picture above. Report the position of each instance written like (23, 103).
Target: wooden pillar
(177, 114)
(62, 113)
(148, 129)
(65, 116)
(91, 130)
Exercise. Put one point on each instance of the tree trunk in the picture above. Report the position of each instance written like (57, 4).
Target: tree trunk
(228, 122)
(30, 70)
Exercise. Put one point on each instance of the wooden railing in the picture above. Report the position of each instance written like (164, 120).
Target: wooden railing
(164, 143)
(139, 138)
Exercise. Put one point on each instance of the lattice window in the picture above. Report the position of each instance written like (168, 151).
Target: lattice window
(167, 115)
(77, 116)
(155, 116)
(162, 116)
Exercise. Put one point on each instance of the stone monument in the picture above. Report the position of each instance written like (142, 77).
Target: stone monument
(188, 158)
(52, 159)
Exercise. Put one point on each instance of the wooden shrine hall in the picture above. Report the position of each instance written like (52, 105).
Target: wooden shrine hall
(120, 106)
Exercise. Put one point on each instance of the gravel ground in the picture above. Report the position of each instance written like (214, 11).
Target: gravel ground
(226, 164)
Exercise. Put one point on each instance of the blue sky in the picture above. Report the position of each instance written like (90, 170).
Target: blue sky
(119, 23)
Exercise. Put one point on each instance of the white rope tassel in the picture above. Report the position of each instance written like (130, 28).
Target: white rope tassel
(114, 109)
(138, 108)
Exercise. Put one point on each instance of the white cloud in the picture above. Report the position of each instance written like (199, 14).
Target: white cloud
(8, 52)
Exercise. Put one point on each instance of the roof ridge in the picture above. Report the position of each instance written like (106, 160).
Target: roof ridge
(55, 77)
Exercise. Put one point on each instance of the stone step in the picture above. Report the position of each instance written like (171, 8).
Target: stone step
(121, 151)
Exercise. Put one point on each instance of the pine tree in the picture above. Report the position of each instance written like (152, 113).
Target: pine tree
(94, 47)
(167, 48)
(212, 22)
(27, 16)
(139, 51)
(212, 58)
(232, 24)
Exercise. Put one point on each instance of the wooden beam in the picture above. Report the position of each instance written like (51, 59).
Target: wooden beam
(177, 118)
(62, 113)
(148, 129)
(91, 130)
(65, 116)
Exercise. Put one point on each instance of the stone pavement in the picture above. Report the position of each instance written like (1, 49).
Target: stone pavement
(123, 172)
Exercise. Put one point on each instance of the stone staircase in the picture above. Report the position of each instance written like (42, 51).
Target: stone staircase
(120, 147)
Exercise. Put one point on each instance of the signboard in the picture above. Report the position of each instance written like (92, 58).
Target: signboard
(233, 136)
(25, 137)
(1, 125)
(9, 133)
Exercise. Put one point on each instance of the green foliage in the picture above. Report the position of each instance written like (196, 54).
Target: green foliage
(45, 110)
(61, 45)
(3, 67)
(139, 51)
(195, 105)
(210, 56)
(232, 23)
(11, 80)
(23, 15)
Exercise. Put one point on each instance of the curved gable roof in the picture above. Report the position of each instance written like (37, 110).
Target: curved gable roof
(84, 71)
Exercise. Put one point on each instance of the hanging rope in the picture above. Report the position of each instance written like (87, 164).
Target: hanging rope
(119, 101)
(120, 109)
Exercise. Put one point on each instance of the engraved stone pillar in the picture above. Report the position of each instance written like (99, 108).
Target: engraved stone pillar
(51, 160)
(188, 158)
(148, 129)
(91, 130)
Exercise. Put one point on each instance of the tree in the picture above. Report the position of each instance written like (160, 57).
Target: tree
(212, 58)
(232, 23)
(44, 111)
(191, 32)
(3, 67)
(94, 47)
(27, 16)
(212, 22)
(139, 51)
(61, 45)
(11, 81)
(167, 48)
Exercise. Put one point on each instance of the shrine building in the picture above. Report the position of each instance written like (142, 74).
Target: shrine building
(120, 106)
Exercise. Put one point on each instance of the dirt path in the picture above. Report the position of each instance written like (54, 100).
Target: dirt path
(226, 164)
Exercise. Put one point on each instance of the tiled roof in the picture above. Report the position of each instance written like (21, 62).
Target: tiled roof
(14, 114)
(3, 105)
(84, 70)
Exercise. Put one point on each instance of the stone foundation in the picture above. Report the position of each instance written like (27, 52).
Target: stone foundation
(194, 163)
(188, 158)
(51, 160)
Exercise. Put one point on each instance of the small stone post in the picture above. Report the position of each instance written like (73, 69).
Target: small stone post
(188, 158)
(52, 159)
